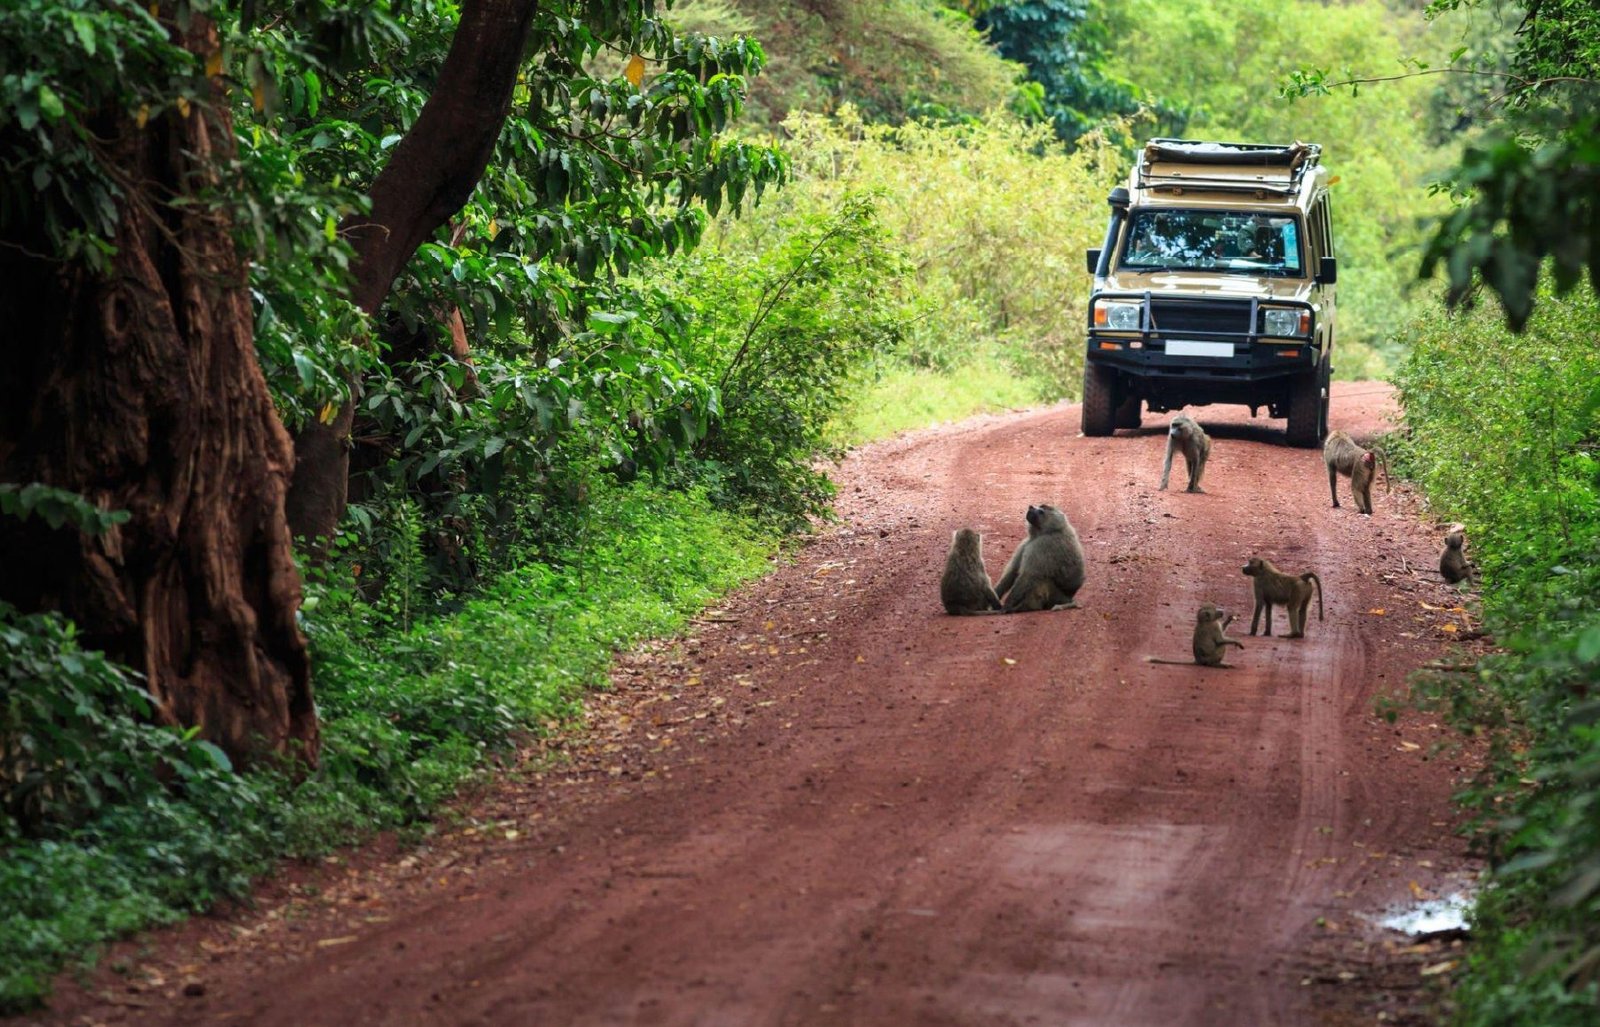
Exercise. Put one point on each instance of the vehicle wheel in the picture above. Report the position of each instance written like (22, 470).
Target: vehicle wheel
(1129, 413)
(1308, 410)
(1099, 400)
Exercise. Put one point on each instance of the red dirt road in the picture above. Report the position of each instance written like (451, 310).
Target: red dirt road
(832, 804)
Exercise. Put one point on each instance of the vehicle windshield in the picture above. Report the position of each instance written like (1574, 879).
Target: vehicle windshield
(1246, 242)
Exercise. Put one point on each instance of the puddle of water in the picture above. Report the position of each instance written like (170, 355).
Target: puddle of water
(1430, 917)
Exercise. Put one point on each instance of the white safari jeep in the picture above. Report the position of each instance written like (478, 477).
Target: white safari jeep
(1215, 285)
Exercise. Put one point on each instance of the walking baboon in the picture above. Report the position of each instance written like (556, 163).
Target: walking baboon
(1453, 563)
(1343, 456)
(1210, 638)
(1292, 591)
(1046, 571)
(1196, 445)
(965, 588)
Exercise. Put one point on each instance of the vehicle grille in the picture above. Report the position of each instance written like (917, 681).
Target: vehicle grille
(1200, 316)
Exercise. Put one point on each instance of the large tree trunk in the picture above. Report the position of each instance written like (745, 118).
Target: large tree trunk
(141, 390)
(432, 173)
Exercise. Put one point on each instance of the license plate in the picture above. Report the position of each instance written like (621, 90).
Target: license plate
(1195, 348)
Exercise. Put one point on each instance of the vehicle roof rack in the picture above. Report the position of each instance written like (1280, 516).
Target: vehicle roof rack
(1178, 164)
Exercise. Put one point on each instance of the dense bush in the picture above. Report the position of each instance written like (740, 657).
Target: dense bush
(1502, 433)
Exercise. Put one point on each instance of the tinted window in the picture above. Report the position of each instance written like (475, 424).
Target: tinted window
(1248, 242)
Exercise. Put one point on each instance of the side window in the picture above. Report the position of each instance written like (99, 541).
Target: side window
(1319, 231)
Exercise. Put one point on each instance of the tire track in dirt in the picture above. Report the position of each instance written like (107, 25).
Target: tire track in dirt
(871, 813)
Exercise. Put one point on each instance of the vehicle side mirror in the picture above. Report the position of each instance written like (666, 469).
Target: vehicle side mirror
(1328, 272)
(1093, 261)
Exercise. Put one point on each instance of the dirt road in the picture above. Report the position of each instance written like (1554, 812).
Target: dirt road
(834, 804)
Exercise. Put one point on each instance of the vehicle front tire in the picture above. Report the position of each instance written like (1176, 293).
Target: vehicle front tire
(1308, 409)
(1099, 400)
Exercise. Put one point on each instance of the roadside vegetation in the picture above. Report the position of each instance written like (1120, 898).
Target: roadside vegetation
(598, 392)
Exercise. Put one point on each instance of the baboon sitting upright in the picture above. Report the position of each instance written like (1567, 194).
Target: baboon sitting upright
(1454, 566)
(965, 588)
(1210, 638)
(1187, 435)
(1046, 571)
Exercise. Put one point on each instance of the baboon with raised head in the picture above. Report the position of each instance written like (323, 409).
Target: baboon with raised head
(1291, 591)
(1453, 563)
(1343, 456)
(1210, 638)
(1187, 435)
(1046, 571)
(965, 589)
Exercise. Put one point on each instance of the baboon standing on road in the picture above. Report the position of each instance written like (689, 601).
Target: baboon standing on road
(1343, 456)
(1196, 446)
(1046, 571)
(1291, 591)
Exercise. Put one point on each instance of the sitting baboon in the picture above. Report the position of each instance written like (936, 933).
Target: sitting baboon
(1292, 591)
(1453, 563)
(1186, 434)
(1210, 638)
(1342, 456)
(965, 588)
(1046, 571)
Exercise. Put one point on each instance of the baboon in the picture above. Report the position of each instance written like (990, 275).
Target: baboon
(1343, 456)
(1046, 571)
(1292, 591)
(1453, 563)
(1210, 638)
(1196, 446)
(965, 589)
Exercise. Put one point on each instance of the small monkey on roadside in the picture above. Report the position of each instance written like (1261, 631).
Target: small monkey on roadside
(1046, 571)
(1291, 591)
(1192, 439)
(1210, 638)
(965, 588)
(1454, 566)
(1343, 456)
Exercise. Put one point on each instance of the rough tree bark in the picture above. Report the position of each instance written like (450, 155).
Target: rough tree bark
(432, 173)
(141, 390)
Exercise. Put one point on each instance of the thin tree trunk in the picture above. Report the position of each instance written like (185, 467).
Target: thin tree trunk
(141, 389)
(431, 175)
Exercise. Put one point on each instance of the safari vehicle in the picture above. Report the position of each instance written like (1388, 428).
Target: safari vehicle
(1215, 285)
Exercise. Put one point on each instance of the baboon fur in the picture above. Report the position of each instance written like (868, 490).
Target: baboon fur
(1454, 566)
(1291, 591)
(1046, 571)
(1342, 456)
(1210, 638)
(965, 588)
(1187, 435)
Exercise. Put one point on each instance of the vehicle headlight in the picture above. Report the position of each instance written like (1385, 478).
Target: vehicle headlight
(1285, 322)
(1121, 317)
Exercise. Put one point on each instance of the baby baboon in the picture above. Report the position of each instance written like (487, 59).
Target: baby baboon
(965, 589)
(1196, 446)
(1292, 591)
(1210, 638)
(1343, 456)
(1453, 563)
(1046, 571)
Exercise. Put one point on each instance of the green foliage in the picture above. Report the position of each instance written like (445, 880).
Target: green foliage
(1503, 431)
(901, 396)
(785, 332)
(107, 822)
(1066, 51)
(57, 508)
(994, 217)
(891, 59)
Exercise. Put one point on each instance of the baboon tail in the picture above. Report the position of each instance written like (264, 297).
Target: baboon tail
(1312, 577)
